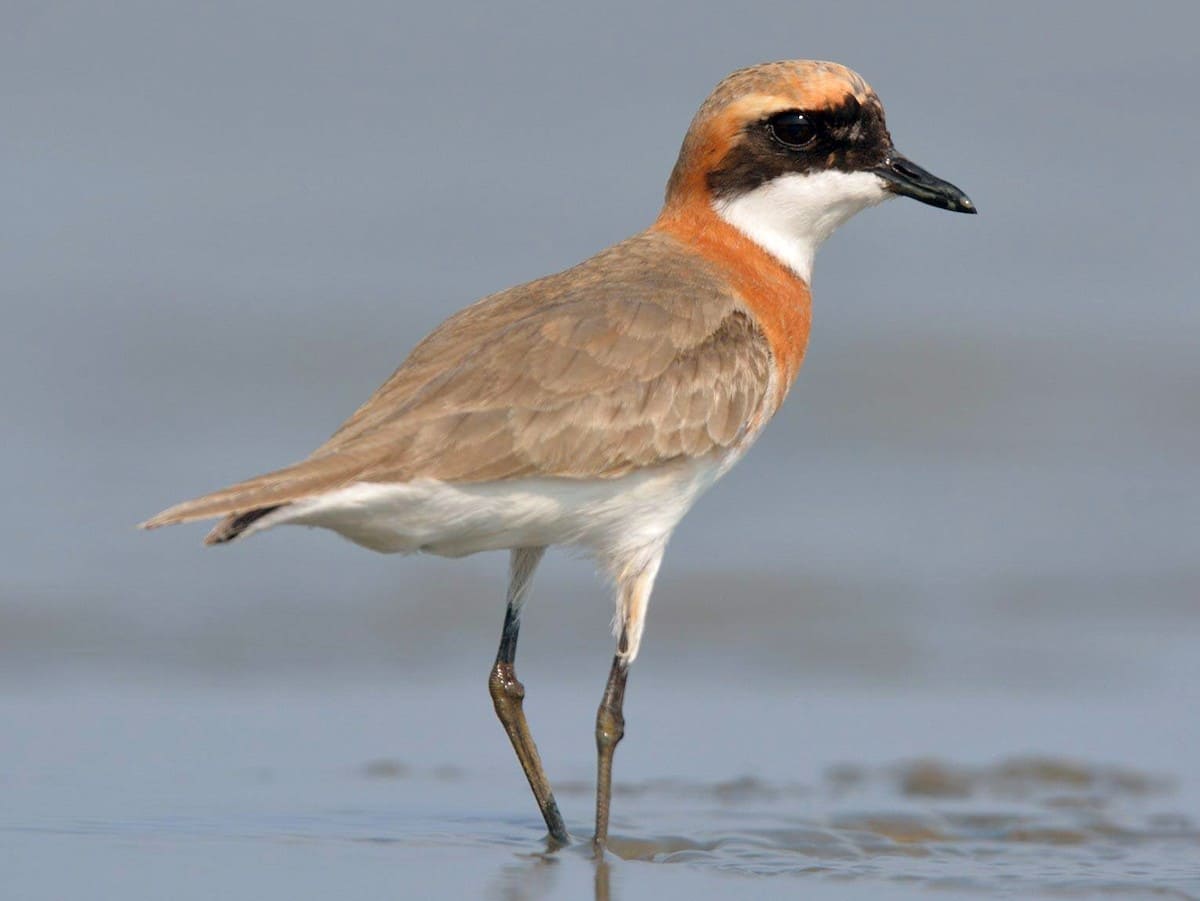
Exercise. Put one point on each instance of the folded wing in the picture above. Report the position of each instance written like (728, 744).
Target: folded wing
(636, 358)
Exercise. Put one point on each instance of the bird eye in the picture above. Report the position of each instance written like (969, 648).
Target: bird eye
(792, 130)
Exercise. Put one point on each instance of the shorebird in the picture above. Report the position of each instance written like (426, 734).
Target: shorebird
(591, 408)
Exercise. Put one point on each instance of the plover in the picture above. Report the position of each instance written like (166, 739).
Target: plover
(591, 408)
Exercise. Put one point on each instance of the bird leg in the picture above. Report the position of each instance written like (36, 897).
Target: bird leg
(635, 581)
(610, 729)
(508, 695)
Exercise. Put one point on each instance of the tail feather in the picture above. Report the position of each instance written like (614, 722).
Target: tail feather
(247, 501)
(234, 524)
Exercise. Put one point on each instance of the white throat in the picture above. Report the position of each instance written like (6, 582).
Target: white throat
(791, 215)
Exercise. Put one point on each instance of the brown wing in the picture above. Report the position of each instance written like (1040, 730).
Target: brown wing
(636, 358)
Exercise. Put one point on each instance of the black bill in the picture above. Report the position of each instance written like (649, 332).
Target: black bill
(906, 177)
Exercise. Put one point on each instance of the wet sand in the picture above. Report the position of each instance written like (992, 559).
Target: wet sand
(360, 789)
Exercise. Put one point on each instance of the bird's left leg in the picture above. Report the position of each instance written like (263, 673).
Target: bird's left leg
(634, 584)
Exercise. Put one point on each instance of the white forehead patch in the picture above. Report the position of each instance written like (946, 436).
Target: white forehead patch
(791, 215)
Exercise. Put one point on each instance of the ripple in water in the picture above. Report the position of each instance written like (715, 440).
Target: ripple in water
(1031, 824)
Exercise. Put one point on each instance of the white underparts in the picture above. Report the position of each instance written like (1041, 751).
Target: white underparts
(523, 561)
(624, 522)
(791, 215)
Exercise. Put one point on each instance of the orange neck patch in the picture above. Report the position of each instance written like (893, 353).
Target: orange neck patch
(779, 299)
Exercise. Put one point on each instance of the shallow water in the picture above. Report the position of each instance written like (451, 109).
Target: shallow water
(360, 789)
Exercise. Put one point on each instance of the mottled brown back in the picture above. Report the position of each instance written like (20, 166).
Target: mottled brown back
(638, 357)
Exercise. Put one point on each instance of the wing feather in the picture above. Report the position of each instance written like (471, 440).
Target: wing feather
(639, 357)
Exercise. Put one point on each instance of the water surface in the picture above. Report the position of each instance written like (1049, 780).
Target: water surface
(364, 789)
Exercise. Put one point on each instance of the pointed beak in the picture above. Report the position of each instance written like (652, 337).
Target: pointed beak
(906, 177)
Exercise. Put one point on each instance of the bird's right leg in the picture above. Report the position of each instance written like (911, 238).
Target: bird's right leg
(508, 694)
(635, 581)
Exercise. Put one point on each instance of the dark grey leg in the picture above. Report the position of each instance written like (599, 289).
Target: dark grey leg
(508, 695)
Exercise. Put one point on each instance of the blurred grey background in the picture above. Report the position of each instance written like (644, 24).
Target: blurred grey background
(224, 224)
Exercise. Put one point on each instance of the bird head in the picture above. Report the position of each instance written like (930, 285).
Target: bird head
(788, 151)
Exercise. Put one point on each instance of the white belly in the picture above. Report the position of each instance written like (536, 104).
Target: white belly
(608, 517)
